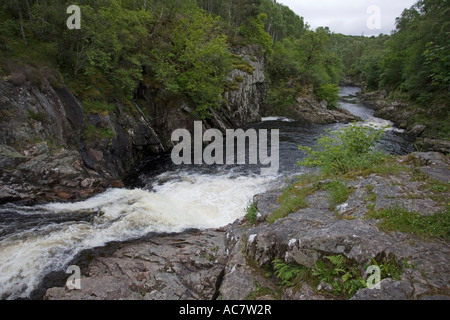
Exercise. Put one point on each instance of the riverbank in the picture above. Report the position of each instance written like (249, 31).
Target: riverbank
(290, 258)
(428, 125)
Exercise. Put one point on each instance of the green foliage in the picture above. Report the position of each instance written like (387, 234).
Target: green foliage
(299, 62)
(291, 200)
(37, 116)
(415, 59)
(345, 276)
(345, 279)
(281, 22)
(253, 31)
(98, 107)
(197, 62)
(92, 133)
(437, 57)
(426, 227)
(112, 41)
(279, 99)
(339, 192)
(329, 93)
(261, 291)
(251, 212)
(350, 149)
(390, 268)
(289, 273)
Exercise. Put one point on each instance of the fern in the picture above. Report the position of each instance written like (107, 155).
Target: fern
(288, 273)
(338, 260)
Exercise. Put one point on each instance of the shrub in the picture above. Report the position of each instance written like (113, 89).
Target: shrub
(251, 210)
(98, 107)
(254, 32)
(329, 93)
(350, 149)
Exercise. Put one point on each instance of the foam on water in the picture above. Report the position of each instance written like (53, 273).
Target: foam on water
(192, 201)
(282, 119)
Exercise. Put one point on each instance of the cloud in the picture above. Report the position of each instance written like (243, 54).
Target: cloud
(349, 16)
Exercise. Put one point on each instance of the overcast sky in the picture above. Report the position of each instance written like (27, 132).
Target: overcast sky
(350, 16)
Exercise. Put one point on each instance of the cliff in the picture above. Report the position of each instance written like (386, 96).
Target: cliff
(53, 149)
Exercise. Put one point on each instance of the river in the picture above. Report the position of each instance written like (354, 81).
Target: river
(160, 198)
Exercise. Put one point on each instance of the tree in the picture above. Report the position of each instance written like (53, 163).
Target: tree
(194, 60)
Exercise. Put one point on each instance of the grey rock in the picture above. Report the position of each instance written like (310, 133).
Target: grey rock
(417, 130)
(173, 267)
(310, 110)
(312, 233)
(389, 290)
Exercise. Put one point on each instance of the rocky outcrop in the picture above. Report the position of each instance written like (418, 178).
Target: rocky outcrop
(187, 266)
(243, 105)
(310, 234)
(310, 110)
(235, 263)
(407, 117)
(52, 149)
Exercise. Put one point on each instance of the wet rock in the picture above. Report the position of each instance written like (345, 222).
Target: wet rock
(437, 145)
(417, 130)
(310, 110)
(172, 267)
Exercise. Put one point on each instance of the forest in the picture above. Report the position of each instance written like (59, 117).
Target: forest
(183, 48)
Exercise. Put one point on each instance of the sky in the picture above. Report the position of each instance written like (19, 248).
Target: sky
(351, 17)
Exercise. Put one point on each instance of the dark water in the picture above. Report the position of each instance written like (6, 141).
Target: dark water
(160, 198)
(292, 135)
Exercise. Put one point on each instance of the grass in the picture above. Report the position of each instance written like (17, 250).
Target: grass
(385, 168)
(291, 200)
(98, 107)
(93, 133)
(261, 291)
(339, 192)
(240, 64)
(399, 219)
(294, 196)
(251, 210)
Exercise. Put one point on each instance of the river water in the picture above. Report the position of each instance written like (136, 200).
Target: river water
(160, 198)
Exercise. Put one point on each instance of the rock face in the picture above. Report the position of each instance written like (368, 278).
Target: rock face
(236, 263)
(51, 149)
(243, 105)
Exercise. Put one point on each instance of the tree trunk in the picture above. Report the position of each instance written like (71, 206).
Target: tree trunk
(22, 31)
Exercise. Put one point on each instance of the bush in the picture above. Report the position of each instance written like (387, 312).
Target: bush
(254, 32)
(329, 93)
(350, 149)
(252, 211)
